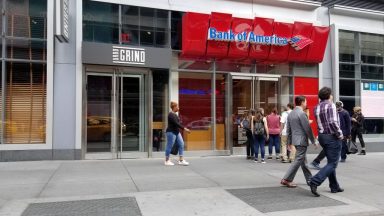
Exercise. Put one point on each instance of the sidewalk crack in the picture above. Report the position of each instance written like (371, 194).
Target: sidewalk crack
(130, 176)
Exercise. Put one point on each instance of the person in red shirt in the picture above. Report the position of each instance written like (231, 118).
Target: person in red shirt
(273, 121)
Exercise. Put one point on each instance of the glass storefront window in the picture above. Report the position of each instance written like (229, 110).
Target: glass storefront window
(283, 69)
(176, 23)
(195, 89)
(160, 108)
(130, 25)
(24, 114)
(305, 70)
(100, 22)
(347, 46)
(372, 72)
(195, 64)
(373, 126)
(221, 82)
(372, 48)
(347, 70)
(234, 66)
(25, 103)
(347, 88)
(26, 49)
(349, 103)
(286, 95)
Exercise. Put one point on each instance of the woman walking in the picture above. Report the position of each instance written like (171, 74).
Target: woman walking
(174, 136)
(260, 134)
(357, 128)
(273, 121)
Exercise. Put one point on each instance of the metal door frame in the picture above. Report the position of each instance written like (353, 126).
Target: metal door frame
(115, 73)
(247, 76)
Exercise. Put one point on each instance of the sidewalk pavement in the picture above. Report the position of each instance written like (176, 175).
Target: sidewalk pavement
(227, 185)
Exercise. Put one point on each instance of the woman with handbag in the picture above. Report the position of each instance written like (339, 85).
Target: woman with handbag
(174, 136)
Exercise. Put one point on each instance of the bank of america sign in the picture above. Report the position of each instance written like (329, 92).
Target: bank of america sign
(128, 55)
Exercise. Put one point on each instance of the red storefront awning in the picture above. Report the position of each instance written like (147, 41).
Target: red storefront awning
(222, 36)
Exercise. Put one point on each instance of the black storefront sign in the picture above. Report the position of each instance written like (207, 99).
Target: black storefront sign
(109, 54)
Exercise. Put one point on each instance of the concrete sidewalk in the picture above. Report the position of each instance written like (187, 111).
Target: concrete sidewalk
(209, 186)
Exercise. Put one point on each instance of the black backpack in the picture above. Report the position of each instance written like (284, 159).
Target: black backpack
(259, 128)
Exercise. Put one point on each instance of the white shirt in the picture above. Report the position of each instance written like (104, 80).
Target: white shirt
(283, 120)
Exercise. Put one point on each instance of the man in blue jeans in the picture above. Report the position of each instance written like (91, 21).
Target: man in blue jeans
(330, 137)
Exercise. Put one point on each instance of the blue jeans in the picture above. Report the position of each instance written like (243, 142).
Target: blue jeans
(274, 140)
(332, 148)
(259, 141)
(173, 139)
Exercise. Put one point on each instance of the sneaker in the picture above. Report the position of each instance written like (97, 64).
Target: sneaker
(183, 163)
(342, 160)
(263, 161)
(362, 152)
(168, 163)
(256, 161)
(314, 165)
(269, 157)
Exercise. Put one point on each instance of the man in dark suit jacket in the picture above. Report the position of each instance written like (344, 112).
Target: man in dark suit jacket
(298, 131)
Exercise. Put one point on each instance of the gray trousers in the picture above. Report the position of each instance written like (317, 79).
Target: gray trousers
(300, 160)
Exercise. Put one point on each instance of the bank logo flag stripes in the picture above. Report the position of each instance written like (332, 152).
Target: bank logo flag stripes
(300, 42)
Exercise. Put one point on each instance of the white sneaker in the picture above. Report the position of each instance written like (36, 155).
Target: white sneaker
(168, 163)
(184, 163)
(263, 161)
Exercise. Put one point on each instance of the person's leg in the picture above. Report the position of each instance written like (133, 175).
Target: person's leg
(292, 154)
(270, 147)
(256, 147)
(284, 148)
(362, 143)
(344, 150)
(300, 157)
(250, 144)
(171, 137)
(353, 135)
(304, 167)
(332, 148)
(319, 157)
(277, 145)
(180, 142)
(248, 147)
(262, 147)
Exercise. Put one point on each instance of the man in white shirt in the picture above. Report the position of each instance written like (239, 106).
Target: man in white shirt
(284, 137)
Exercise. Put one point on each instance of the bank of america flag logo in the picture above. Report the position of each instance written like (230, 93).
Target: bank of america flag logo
(300, 42)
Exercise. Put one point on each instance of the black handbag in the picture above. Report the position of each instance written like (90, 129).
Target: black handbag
(352, 148)
(175, 149)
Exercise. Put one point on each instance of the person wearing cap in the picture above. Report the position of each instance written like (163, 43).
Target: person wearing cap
(345, 126)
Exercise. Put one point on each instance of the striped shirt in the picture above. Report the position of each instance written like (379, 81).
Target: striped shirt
(328, 121)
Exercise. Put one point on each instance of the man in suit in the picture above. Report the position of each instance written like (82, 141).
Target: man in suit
(298, 131)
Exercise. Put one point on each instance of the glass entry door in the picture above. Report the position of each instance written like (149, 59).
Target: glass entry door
(115, 114)
(251, 92)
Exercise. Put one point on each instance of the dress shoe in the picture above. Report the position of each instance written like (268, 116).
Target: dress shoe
(337, 191)
(288, 183)
(314, 189)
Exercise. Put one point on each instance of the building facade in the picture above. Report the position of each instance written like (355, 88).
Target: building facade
(93, 79)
